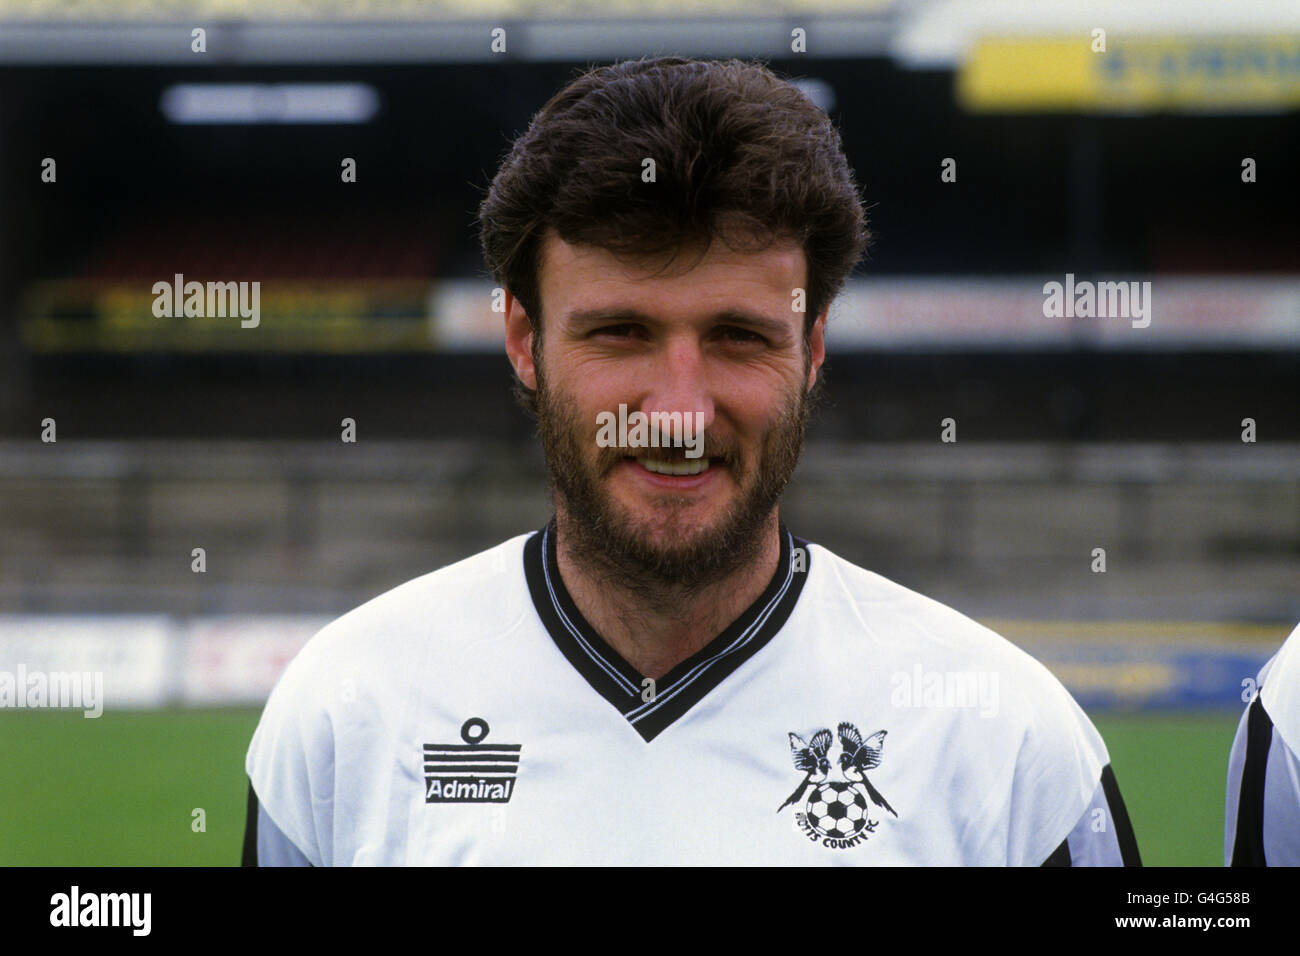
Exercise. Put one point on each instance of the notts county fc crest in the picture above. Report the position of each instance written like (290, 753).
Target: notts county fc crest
(472, 772)
(840, 798)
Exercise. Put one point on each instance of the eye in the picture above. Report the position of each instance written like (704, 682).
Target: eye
(623, 331)
(734, 333)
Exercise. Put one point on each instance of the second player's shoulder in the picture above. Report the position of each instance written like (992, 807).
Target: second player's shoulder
(1279, 692)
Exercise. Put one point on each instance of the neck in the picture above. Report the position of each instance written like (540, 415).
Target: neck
(654, 626)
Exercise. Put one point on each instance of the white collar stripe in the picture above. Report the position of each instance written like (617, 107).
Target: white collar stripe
(690, 676)
(569, 626)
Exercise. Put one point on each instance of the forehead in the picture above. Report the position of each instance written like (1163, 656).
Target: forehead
(585, 277)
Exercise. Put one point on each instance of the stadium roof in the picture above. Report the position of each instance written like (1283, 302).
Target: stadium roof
(928, 34)
(75, 32)
(409, 10)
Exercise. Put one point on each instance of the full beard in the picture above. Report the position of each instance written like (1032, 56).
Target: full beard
(665, 554)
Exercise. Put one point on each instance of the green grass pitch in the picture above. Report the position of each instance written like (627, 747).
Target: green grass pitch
(121, 790)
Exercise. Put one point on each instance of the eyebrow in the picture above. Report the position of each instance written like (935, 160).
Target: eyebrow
(736, 316)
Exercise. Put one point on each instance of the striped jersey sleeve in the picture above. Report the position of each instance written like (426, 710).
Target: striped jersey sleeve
(1103, 836)
(1262, 811)
(265, 844)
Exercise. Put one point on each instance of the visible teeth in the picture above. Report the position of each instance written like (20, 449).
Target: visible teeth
(691, 466)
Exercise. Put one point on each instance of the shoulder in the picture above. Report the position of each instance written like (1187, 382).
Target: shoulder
(348, 686)
(438, 609)
(899, 623)
(1279, 693)
(1013, 732)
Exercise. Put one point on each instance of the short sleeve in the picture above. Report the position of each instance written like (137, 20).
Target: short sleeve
(265, 844)
(1262, 809)
(1057, 774)
(290, 761)
(1103, 836)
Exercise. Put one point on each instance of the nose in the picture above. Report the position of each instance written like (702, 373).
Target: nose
(681, 382)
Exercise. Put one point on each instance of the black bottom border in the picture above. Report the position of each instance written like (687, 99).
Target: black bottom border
(240, 906)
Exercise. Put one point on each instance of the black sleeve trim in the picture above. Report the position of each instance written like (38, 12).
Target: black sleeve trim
(1128, 847)
(1060, 856)
(1248, 842)
(250, 829)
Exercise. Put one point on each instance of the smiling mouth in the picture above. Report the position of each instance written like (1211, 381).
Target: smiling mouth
(676, 467)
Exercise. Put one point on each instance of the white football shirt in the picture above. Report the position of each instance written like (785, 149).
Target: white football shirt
(1262, 812)
(473, 716)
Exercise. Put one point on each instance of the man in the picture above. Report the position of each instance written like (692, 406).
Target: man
(1262, 818)
(665, 674)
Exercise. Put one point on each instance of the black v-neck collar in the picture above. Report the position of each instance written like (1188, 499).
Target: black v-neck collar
(686, 684)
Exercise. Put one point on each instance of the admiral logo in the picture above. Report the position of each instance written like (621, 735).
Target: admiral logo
(472, 772)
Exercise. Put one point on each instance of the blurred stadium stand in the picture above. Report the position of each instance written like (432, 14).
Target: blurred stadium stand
(998, 529)
(175, 434)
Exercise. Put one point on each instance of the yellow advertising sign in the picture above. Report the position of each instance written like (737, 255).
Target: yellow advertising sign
(1230, 73)
(286, 316)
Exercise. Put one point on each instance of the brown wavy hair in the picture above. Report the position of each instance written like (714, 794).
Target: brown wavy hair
(740, 154)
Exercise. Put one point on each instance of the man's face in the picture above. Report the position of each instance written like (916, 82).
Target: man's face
(715, 335)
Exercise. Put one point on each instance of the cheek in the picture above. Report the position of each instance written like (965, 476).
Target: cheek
(592, 387)
(759, 413)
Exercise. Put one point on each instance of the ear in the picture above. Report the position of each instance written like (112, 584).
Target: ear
(519, 341)
(817, 347)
